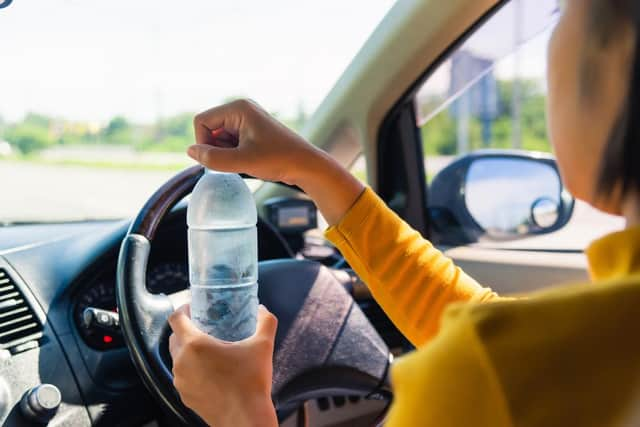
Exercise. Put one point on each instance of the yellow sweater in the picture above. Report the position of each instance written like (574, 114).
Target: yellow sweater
(565, 357)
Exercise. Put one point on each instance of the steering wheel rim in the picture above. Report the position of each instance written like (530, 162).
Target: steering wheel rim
(355, 359)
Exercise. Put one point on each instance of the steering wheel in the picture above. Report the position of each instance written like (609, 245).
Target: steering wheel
(324, 345)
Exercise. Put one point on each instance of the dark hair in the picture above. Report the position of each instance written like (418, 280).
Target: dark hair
(620, 168)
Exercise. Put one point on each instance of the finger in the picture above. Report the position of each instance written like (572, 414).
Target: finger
(181, 324)
(222, 134)
(186, 309)
(208, 121)
(228, 117)
(222, 138)
(223, 142)
(174, 345)
(217, 133)
(217, 137)
(220, 159)
(267, 322)
(202, 133)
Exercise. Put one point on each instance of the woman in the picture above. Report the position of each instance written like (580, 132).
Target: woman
(564, 357)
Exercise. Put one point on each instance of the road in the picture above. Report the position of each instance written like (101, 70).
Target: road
(37, 192)
(40, 192)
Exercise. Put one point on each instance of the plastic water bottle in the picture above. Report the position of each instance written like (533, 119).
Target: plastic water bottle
(223, 256)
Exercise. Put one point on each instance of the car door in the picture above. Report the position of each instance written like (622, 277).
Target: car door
(486, 92)
(398, 115)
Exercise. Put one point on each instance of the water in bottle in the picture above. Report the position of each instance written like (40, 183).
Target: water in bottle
(223, 256)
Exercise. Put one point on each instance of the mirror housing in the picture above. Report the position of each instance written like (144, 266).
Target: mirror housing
(498, 195)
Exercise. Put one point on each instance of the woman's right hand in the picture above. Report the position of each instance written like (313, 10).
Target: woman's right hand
(241, 137)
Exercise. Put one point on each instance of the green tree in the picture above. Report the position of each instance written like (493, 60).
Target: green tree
(173, 134)
(117, 131)
(439, 135)
(29, 138)
(117, 124)
(37, 120)
(180, 125)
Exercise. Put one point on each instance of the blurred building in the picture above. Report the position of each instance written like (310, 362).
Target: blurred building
(473, 82)
(5, 149)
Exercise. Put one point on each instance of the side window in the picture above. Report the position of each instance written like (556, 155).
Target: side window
(359, 168)
(491, 94)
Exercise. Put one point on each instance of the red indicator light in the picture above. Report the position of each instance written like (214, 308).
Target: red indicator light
(107, 339)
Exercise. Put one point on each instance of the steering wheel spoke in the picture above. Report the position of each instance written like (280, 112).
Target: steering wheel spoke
(180, 298)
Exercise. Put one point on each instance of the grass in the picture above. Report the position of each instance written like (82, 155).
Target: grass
(137, 166)
(102, 164)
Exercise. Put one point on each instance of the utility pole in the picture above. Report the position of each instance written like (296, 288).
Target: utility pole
(464, 113)
(159, 114)
(516, 98)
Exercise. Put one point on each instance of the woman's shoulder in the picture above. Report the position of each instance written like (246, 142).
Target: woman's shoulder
(575, 304)
(560, 349)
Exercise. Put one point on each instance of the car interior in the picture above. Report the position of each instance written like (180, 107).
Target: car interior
(84, 304)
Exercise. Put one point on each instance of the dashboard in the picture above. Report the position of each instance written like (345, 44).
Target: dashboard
(64, 272)
(95, 301)
(166, 277)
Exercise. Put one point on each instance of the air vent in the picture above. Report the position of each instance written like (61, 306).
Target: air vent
(18, 321)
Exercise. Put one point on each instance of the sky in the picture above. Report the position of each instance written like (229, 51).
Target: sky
(93, 59)
(515, 39)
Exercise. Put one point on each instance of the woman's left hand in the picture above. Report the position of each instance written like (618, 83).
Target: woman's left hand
(226, 383)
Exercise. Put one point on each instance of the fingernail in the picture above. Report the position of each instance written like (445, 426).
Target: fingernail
(193, 152)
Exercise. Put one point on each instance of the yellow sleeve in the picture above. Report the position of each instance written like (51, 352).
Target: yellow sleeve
(411, 280)
(449, 382)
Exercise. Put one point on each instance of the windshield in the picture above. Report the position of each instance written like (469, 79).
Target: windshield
(97, 98)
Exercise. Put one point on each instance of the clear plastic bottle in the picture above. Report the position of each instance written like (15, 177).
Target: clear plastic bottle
(223, 256)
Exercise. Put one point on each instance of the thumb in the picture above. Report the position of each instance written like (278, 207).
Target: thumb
(267, 323)
(181, 323)
(220, 159)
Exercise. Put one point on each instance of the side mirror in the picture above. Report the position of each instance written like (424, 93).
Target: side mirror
(498, 195)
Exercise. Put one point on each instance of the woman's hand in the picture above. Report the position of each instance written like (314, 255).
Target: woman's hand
(241, 137)
(226, 383)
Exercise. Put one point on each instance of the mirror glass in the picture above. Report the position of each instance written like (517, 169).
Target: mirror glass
(544, 213)
(512, 196)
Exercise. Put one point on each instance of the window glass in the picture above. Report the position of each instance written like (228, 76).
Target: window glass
(359, 168)
(97, 97)
(491, 94)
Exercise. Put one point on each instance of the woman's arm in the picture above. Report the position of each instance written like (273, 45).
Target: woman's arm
(230, 383)
(412, 281)
(241, 137)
